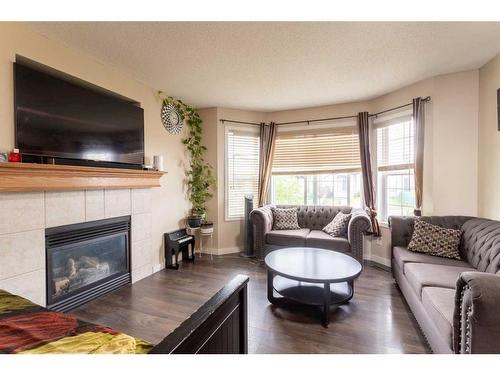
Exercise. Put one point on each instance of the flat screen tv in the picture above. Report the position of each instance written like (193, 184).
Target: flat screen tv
(58, 118)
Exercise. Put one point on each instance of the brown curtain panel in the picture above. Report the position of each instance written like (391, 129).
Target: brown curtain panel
(366, 170)
(266, 153)
(418, 121)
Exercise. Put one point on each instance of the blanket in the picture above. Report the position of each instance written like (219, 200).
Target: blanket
(26, 328)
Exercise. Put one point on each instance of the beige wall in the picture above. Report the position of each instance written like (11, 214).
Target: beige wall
(489, 140)
(455, 144)
(451, 122)
(209, 140)
(450, 163)
(228, 234)
(338, 110)
(169, 202)
(451, 157)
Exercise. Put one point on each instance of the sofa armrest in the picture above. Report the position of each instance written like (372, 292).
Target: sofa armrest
(476, 323)
(358, 225)
(262, 221)
(401, 229)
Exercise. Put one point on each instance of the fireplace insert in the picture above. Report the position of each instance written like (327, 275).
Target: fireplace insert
(86, 260)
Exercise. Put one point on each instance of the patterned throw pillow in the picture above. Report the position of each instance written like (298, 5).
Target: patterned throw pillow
(338, 226)
(435, 240)
(285, 218)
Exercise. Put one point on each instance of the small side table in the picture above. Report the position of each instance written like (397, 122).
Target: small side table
(197, 232)
(210, 237)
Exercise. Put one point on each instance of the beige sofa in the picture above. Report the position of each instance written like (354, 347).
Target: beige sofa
(455, 302)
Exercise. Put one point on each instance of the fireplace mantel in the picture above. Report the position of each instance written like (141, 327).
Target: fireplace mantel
(18, 177)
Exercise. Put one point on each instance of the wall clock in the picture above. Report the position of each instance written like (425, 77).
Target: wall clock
(171, 118)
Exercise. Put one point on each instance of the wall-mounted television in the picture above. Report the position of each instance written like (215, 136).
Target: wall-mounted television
(62, 119)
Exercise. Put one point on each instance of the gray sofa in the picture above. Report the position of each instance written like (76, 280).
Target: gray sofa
(456, 302)
(311, 220)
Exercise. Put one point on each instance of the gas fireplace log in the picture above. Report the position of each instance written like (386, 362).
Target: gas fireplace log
(60, 284)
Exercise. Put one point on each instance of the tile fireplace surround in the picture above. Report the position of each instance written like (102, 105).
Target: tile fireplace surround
(24, 217)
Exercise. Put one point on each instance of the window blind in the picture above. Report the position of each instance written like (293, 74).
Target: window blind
(317, 151)
(395, 145)
(242, 174)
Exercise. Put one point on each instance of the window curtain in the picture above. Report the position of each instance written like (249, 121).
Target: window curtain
(366, 170)
(266, 153)
(418, 120)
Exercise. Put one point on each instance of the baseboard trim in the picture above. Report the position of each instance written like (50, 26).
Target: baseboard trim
(158, 267)
(381, 261)
(229, 250)
(378, 265)
(223, 251)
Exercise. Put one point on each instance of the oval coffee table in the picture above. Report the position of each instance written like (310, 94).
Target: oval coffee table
(311, 276)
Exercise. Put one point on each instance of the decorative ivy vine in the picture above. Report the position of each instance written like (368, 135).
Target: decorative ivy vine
(201, 180)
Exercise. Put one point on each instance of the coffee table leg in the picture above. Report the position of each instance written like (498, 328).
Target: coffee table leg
(327, 297)
(270, 289)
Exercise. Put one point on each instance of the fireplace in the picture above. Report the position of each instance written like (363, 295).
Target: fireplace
(86, 260)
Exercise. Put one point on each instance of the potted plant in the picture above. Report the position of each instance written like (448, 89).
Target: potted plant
(200, 177)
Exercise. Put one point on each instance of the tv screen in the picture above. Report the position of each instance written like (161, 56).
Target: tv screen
(58, 118)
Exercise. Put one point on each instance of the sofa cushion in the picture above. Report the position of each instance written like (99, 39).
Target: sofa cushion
(320, 239)
(338, 226)
(316, 217)
(439, 303)
(285, 218)
(402, 256)
(435, 240)
(421, 275)
(291, 237)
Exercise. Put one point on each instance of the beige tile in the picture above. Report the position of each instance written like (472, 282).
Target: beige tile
(28, 285)
(21, 253)
(141, 253)
(94, 205)
(62, 208)
(141, 227)
(141, 272)
(21, 212)
(116, 202)
(141, 201)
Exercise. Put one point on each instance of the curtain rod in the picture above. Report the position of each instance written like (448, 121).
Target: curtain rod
(316, 120)
(426, 99)
(223, 120)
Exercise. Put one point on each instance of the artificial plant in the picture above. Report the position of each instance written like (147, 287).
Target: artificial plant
(200, 177)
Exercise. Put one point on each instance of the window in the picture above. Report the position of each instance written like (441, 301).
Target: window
(334, 189)
(242, 169)
(317, 165)
(395, 167)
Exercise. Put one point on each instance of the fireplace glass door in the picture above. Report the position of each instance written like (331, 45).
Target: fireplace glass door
(85, 259)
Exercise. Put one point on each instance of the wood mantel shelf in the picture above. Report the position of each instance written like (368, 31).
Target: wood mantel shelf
(46, 177)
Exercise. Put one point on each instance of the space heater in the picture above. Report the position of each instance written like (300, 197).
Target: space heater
(248, 252)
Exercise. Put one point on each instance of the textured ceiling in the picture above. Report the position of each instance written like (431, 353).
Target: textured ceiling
(275, 65)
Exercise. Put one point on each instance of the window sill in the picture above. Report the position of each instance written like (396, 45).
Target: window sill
(383, 224)
(229, 219)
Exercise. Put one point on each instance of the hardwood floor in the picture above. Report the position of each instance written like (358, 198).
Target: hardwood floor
(376, 320)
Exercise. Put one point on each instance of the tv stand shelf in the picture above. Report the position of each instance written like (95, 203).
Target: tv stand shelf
(47, 177)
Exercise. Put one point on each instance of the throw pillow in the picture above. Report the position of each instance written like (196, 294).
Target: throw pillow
(285, 218)
(338, 226)
(435, 240)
